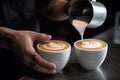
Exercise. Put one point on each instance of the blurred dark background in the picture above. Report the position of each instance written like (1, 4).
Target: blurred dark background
(65, 31)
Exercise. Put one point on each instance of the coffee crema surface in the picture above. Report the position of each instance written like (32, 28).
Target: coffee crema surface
(91, 44)
(54, 45)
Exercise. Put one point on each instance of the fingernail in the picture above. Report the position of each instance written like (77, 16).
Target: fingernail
(53, 66)
(54, 71)
(49, 36)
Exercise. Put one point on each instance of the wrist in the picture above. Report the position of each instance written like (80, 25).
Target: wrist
(6, 37)
(66, 7)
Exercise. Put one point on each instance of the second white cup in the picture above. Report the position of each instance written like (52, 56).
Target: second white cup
(91, 53)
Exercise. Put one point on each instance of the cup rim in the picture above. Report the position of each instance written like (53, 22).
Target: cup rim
(69, 47)
(89, 49)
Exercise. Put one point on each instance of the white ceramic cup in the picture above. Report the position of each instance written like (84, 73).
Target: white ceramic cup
(60, 57)
(91, 59)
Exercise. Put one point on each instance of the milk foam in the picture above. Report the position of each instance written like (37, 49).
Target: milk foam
(80, 26)
(91, 44)
(54, 46)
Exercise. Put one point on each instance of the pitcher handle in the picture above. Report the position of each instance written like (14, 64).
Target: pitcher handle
(93, 0)
(117, 19)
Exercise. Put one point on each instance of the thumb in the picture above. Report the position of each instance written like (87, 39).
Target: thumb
(42, 37)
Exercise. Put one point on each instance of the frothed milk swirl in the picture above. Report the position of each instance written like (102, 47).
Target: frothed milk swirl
(90, 44)
(54, 46)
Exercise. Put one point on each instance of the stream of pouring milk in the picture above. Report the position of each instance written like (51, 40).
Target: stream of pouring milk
(80, 26)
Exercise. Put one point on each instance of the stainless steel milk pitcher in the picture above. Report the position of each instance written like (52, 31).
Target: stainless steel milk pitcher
(90, 11)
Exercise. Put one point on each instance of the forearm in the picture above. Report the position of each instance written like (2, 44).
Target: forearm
(55, 10)
(6, 37)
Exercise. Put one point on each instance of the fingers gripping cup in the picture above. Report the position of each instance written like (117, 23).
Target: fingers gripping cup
(91, 53)
(55, 51)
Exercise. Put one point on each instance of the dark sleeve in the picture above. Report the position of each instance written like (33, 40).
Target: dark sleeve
(41, 4)
(1, 16)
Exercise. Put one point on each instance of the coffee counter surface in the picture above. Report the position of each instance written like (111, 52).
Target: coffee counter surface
(109, 70)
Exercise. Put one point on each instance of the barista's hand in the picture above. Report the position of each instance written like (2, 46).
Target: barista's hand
(72, 1)
(23, 47)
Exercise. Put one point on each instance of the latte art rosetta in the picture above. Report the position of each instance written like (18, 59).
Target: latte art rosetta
(91, 44)
(54, 46)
